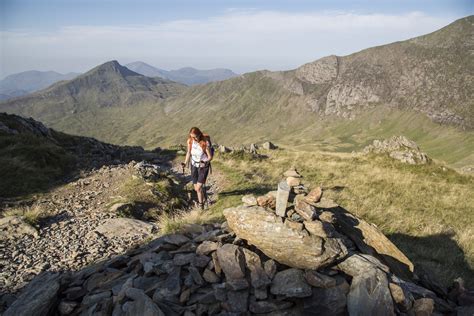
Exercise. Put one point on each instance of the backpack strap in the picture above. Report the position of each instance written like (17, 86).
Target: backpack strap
(208, 142)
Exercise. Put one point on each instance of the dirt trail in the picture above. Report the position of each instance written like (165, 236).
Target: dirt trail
(213, 186)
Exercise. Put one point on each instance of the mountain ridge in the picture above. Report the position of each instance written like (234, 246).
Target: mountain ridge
(107, 85)
(185, 75)
(25, 82)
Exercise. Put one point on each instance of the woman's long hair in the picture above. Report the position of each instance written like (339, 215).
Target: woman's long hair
(201, 137)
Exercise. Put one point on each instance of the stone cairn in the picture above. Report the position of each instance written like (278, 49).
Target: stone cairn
(289, 252)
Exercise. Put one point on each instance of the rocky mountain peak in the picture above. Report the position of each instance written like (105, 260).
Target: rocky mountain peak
(112, 67)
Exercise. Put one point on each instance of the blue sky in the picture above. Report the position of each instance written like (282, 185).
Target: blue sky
(73, 35)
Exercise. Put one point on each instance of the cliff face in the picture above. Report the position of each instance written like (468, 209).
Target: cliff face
(432, 74)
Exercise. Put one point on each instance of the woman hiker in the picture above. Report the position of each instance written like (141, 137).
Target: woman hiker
(200, 152)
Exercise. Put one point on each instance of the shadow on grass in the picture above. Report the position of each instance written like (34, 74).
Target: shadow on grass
(437, 259)
(360, 231)
(256, 190)
(436, 254)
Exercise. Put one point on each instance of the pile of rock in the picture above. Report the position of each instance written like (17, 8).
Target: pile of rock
(202, 271)
(348, 263)
(400, 148)
(252, 148)
(289, 252)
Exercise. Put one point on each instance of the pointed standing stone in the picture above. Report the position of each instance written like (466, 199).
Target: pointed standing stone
(282, 198)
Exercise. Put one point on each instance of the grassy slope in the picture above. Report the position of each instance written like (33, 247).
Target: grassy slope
(425, 210)
(447, 144)
(29, 163)
(155, 125)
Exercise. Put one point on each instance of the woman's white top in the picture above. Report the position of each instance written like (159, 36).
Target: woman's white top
(197, 154)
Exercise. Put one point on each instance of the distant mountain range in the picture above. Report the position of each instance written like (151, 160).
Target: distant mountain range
(26, 82)
(22, 83)
(186, 75)
(107, 85)
(420, 88)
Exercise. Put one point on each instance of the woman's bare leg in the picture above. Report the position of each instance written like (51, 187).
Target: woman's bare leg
(198, 189)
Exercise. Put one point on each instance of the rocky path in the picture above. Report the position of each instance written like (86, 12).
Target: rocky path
(69, 239)
(213, 184)
(66, 240)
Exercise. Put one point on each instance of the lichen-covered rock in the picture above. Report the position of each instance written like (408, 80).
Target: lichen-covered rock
(399, 148)
(266, 201)
(280, 242)
(249, 200)
(314, 195)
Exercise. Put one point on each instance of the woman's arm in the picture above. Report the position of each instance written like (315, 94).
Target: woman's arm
(186, 160)
(208, 154)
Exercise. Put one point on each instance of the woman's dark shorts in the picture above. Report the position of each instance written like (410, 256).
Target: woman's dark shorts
(199, 174)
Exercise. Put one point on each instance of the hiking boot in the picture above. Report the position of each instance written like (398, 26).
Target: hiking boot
(201, 205)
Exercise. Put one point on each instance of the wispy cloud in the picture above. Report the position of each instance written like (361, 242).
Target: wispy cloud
(242, 40)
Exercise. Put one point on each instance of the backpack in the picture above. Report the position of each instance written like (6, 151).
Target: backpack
(211, 149)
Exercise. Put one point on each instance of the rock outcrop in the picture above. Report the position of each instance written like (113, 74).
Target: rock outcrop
(399, 148)
(247, 151)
